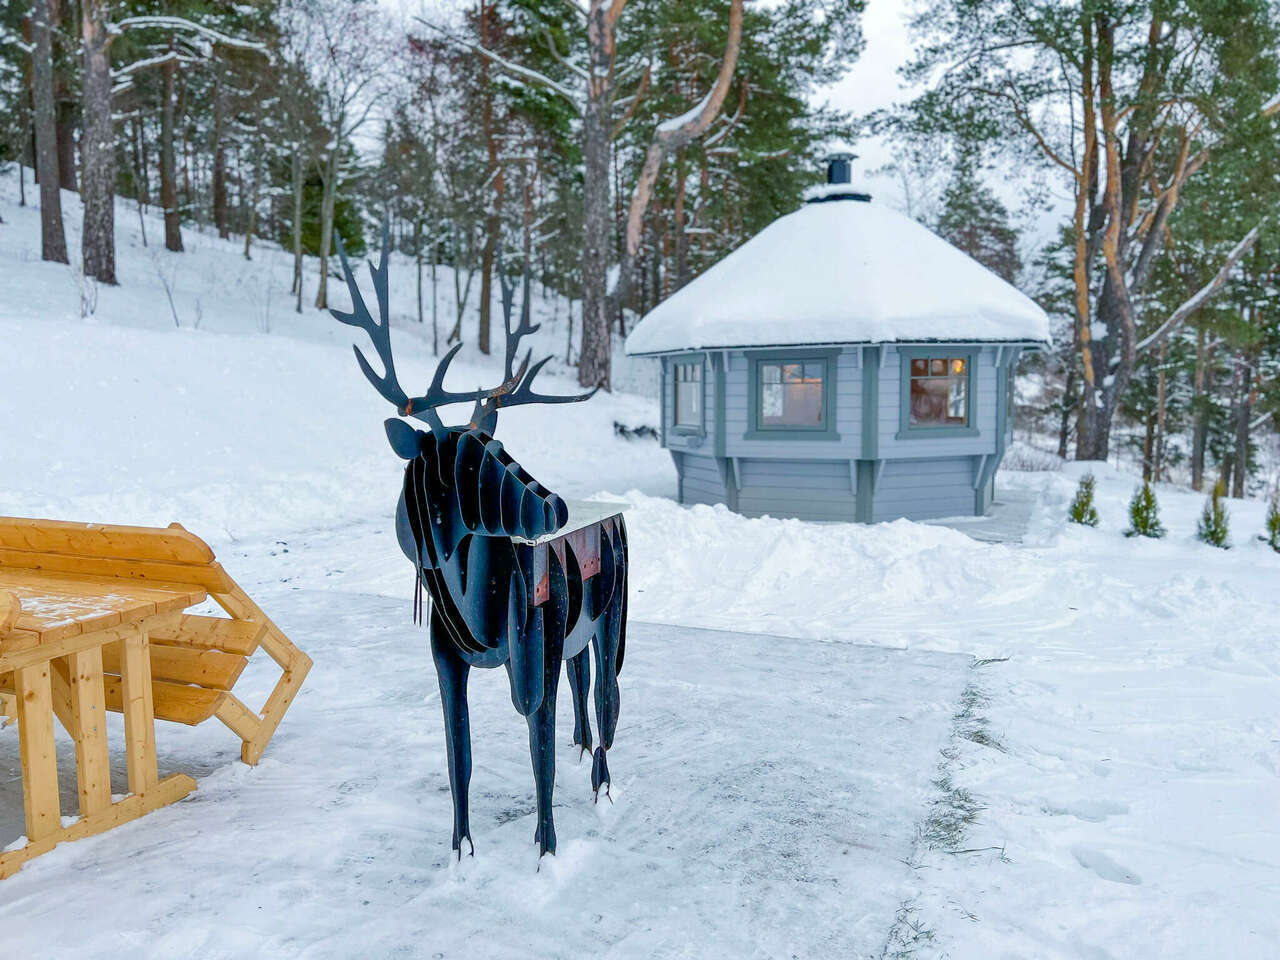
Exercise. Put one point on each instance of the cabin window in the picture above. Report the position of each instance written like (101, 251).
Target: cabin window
(791, 394)
(688, 377)
(939, 392)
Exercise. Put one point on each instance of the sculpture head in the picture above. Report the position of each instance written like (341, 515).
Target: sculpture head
(458, 478)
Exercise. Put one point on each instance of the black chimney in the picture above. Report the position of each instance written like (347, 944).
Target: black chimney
(839, 178)
(838, 167)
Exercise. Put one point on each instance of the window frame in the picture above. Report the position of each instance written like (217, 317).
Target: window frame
(693, 360)
(830, 369)
(909, 431)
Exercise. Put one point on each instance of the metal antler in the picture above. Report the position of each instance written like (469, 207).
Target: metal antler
(516, 388)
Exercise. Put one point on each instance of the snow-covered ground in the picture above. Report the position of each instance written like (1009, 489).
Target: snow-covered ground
(835, 740)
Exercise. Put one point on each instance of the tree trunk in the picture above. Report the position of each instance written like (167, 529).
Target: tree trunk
(220, 214)
(328, 203)
(139, 184)
(1244, 413)
(53, 241)
(417, 259)
(64, 97)
(251, 221)
(1162, 402)
(681, 238)
(296, 172)
(97, 145)
(493, 214)
(168, 163)
(1148, 446)
(596, 354)
(1068, 404)
(435, 302)
(1200, 406)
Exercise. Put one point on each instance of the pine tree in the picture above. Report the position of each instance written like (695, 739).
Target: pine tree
(1082, 509)
(1273, 520)
(1144, 514)
(1212, 528)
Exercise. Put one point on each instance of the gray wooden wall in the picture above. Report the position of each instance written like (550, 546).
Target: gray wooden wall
(917, 478)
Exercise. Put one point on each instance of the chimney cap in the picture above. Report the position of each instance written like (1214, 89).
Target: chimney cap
(838, 167)
(839, 181)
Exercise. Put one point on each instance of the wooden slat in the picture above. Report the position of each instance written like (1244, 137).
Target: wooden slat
(175, 544)
(212, 633)
(139, 714)
(36, 749)
(40, 653)
(175, 702)
(211, 576)
(205, 668)
(89, 731)
(166, 596)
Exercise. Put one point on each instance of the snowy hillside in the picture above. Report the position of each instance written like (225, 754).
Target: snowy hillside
(835, 740)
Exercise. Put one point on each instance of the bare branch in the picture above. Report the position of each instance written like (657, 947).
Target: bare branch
(1207, 292)
(509, 66)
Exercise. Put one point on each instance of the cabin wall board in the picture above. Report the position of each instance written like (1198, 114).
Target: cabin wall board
(700, 478)
(848, 414)
(925, 489)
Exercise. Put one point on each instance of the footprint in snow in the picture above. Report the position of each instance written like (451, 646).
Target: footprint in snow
(1091, 858)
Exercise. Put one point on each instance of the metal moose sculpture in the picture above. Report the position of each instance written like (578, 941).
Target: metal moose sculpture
(504, 590)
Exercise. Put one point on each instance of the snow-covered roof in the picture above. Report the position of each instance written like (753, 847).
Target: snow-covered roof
(841, 270)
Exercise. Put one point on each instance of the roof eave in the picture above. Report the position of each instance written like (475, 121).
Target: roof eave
(1026, 342)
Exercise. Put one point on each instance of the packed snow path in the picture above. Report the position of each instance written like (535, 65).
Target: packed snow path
(767, 795)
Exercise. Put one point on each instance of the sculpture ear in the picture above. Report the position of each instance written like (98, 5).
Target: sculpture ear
(403, 438)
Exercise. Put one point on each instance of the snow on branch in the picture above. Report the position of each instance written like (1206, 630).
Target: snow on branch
(182, 23)
(8, 36)
(1207, 292)
(509, 66)
(157, 61)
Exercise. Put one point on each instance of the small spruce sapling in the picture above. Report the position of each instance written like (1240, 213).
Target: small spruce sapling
(1144, 514)
(1212, 528)
(1082, 509)
(1273, 520)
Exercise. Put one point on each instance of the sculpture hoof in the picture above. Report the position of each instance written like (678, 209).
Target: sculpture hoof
(457, 846)
(599, 772)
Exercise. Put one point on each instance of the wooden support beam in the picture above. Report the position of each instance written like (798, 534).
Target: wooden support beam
(89, 731)
(139, 712)
(38, 755)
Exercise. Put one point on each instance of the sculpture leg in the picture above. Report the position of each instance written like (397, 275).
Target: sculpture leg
(452, 671)
(542, 751)
(578, 669)
(605, 641)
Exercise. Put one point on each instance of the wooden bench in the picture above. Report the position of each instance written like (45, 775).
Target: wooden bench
(195, 659)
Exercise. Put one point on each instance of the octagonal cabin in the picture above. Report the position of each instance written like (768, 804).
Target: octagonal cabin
(844, 364)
